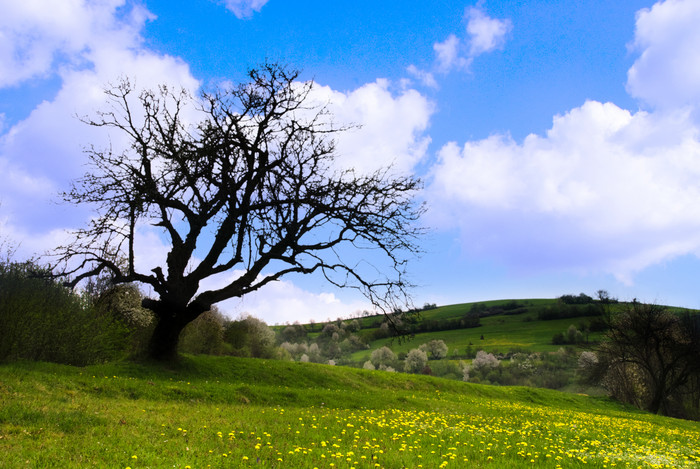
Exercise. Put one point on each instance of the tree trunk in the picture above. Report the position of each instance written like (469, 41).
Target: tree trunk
(166, 336)
(171, 321)
(658, 397)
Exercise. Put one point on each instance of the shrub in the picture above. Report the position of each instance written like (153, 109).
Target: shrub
(436, 349)
(446, 369)
(250, 337)
(415, 362)
(204, 335)
(314, 354)
(295, 350)
(352, 344)
(123, 303)
(294, 333)
(484, 361)
(40, 319)
(382, 356)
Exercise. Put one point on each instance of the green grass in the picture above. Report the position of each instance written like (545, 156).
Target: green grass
(230, 412)
(502, 333)
(458, 310)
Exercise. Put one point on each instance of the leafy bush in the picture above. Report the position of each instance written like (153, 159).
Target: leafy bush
(383, 356)
(485, 361)
(42, 320)
(123, 303)
(295, 350)
(415, 362)
(250, 337)
(436, 349)
(571, 336)
(581, 299)
(294, 333)
(204, 335)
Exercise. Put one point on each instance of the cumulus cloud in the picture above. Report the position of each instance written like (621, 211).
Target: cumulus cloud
(605, 189)
(448, 56)
(283, 301)
(388, 129)
(483, 34)
(86, 45)
(667, 72)
(36, 36)
(244, 9)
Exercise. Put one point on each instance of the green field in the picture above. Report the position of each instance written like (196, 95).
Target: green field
(231, 412)
(501, 333)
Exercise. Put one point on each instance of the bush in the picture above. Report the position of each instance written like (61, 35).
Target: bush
(581, 299)
(295, 350)
(123, 303)
(204, 335)
(446, 369)
(250, 337)
(42, 320)
(294, 333)
(436, 349)
(383, 356)
(484, 361)
(415, 362)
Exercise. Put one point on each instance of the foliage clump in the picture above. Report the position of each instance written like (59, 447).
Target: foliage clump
(42, 320)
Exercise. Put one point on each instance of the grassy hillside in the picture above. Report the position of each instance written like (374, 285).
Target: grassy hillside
(232, 412)
(501, 333)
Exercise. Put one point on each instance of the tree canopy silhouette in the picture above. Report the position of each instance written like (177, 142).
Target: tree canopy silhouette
(251, 184)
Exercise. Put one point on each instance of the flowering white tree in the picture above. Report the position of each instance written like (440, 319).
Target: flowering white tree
(415, 361)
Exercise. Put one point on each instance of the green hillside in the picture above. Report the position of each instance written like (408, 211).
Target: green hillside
(502, 332)
(233, 412)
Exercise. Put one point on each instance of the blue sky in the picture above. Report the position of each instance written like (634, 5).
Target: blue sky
(559, 141)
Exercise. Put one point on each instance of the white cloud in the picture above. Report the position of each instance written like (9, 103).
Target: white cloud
(598, 192)
(282, 301)
(426, 78)
(244, 9)
(485, 33)
(667, 72)
(36, 37)
(606, 189)
(447, 55)
(390, 128)
(86, 45)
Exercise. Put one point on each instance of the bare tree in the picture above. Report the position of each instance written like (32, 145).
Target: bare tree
(251, 185)
(648, 355)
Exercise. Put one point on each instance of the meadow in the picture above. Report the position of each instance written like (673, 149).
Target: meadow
(234, 412)
(500, 333)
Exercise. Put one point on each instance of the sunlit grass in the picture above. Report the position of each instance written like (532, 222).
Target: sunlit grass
(222, 412)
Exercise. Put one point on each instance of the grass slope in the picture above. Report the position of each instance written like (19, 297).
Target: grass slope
(230, 412)
(501, 332)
